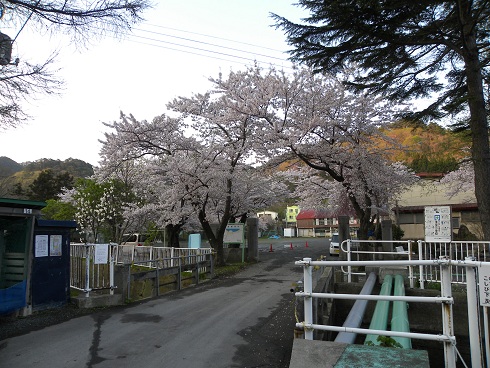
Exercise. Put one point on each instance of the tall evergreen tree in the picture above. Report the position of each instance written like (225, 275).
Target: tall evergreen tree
(48, 185)
(402, 50)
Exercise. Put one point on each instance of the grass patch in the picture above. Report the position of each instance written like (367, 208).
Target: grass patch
(229, 269)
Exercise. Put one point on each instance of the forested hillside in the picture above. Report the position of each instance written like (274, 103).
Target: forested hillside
(429, 148)
(38, 179)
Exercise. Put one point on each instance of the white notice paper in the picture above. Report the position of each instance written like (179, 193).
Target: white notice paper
(55, 245)
(41, 246)
(101, 253)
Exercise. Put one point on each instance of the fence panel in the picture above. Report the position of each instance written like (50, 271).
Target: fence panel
(455, 250)
(161, 257)
(85, 275)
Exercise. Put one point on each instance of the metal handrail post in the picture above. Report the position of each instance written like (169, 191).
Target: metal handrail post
(421, 267)
(308, 303)
(87, 270)
(487, 337)
(473, 317)
(111, 274)
(447, 316)
(157, 282)
(410, 267)
(349, 268)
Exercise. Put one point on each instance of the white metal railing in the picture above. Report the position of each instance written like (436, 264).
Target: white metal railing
(87, 273)
(446, 300)
(421, 250)
(353, 250)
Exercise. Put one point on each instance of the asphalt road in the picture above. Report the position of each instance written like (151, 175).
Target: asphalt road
(246, 320)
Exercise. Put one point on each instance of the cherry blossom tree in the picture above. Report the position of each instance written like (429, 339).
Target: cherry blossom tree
(314, 118)
(204, 178)
(460, 180)
(98, 207)
(319, 191)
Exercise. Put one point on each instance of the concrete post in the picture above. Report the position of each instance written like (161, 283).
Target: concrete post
(387, 234)
(344, 234)
(253, 239)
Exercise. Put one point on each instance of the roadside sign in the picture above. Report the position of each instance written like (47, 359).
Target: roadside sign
(101, 254)
(233, 234)
(484, 284)
(438, 224)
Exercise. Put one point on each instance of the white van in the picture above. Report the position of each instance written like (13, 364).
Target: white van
(137, 239)
(334, 244)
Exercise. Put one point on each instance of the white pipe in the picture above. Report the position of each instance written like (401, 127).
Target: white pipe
(308, 303)
(356, 314)
(431, 262)
(405, 298)
(365, 331)
(473, 317)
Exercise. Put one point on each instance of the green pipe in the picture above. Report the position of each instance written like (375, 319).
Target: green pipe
(379, 320)
(399, 319)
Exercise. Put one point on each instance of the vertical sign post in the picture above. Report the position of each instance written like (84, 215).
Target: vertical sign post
(234, 235)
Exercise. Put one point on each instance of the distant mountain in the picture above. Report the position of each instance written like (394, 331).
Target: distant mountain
(14, 175)
(8, 167)
(77, 168)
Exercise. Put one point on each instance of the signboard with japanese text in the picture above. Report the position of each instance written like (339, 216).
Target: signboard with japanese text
(41, 246)
(484, 284)
(55, 242)
(101, 254)
(233, 234)
(438, 224)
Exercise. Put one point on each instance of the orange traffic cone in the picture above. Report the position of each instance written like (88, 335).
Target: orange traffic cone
(270, 249)
(306, 246)
(291, 246)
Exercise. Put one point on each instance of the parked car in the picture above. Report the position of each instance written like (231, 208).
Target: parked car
(334, 244)
(134, 239)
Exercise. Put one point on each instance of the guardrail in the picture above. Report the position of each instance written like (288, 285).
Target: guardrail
(196, 265)
(166, 256)
(445, 299)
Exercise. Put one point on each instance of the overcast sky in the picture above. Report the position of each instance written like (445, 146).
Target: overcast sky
(180, 45)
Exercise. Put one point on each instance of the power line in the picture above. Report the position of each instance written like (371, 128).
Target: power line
(194, 49)
(215, 37)
(209, 44)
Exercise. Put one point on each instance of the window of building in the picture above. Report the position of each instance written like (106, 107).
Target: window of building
(406, 218)
(455, 222)
(419, 218)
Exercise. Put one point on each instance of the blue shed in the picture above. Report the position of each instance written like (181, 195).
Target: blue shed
(34, 258)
